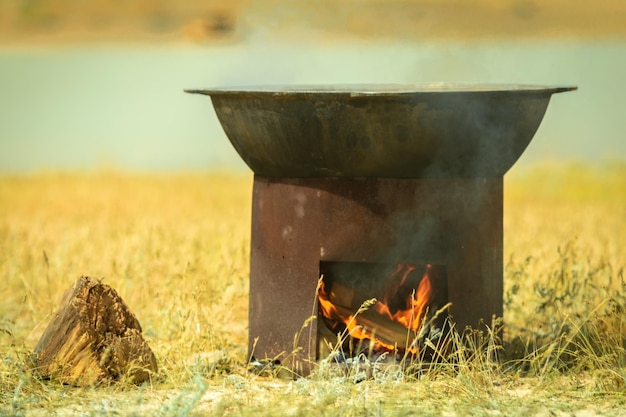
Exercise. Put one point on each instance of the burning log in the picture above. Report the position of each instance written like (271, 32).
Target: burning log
(393, 322)
(380, 328)
(93, 337)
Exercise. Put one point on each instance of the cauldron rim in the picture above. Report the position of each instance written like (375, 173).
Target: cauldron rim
(381, 89)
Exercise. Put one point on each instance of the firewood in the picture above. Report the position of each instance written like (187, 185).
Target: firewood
(93, 337)
(383, 329)
(341, 295)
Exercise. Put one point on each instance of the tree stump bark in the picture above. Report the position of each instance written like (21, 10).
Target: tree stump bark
(93, 337)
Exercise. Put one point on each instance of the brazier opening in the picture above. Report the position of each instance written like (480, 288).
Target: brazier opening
(379, 309)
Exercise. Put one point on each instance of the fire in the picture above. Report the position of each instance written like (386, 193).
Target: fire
(397, 304)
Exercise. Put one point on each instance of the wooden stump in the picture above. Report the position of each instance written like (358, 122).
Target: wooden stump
(93, 337)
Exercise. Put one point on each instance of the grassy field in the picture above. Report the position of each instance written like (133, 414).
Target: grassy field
(175, 247)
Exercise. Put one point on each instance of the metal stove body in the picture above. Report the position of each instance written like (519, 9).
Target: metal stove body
(374, 174)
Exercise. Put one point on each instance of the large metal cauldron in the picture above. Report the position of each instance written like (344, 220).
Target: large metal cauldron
(388, 131)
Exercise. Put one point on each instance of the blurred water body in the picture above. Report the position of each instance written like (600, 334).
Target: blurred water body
(67, 108)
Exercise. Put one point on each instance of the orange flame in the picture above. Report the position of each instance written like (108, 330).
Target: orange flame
(326, 306)
(410, 316)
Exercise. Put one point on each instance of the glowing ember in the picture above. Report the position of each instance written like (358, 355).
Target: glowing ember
(399, 304)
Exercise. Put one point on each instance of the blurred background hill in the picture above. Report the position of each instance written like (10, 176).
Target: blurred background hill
(45, 21)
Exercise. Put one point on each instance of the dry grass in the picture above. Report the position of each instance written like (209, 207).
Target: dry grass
(175, 247)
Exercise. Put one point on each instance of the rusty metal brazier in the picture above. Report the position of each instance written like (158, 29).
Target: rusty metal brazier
(374, 174)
